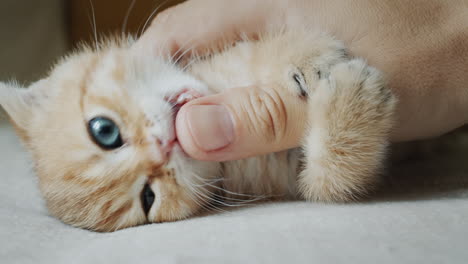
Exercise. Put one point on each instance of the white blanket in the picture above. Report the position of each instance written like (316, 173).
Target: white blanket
(425, 222)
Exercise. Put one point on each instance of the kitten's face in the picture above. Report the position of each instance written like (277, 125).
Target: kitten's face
(101, 132)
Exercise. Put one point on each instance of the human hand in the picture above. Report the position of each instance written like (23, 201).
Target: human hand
(426, 71)
(241, 122)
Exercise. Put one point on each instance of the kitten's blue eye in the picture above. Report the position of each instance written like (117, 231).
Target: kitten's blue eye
(105, 133)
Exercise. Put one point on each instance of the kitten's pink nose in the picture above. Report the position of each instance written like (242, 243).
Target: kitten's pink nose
(166, 146)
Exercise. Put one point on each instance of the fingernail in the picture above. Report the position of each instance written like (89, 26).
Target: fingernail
(211, 126)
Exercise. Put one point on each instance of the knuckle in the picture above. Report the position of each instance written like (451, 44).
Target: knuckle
(267, 114)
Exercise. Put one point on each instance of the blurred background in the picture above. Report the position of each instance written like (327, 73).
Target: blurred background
(35, 34)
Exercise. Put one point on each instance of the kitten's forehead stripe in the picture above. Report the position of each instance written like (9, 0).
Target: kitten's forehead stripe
(87, 79)
(107, 102)
(118, 73)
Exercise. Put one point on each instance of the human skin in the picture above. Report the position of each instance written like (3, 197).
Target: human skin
(420, 45)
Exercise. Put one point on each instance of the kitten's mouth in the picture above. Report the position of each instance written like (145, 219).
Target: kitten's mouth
(181, 98)
(178, 100)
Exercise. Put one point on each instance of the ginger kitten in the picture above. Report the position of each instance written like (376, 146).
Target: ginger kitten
(100, 129)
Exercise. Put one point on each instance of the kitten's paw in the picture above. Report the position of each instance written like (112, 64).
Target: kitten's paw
(363, 88)
(351, 115)
(356, 88)
(319, 185)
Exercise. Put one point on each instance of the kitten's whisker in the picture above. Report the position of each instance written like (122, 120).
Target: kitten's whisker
(208, 200)
(210, 206)
(150, 17)
(185, 49)
(238, 201)
(254, 199)
(197, 200)
(182, 54)
(96, 46)
(240, 194)
(182, 46)
(204, 181)
(208, 183)
(215, 200)
(192, 61)
(127, 15)
(229, 192)
(211, 203)
(207, 206)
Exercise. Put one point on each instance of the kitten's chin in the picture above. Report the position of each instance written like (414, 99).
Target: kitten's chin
(182, 97)
(178, 150)
(178, 154)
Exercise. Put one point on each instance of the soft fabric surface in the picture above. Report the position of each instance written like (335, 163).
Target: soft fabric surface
(421, 218)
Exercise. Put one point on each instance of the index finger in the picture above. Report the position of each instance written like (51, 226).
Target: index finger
(202, 26)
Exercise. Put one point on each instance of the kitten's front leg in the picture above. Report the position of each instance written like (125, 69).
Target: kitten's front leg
(350, 117)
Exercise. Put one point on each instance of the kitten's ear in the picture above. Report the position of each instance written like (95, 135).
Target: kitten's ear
(21, 104)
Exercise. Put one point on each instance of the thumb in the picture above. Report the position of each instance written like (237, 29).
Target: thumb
(241, 122)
